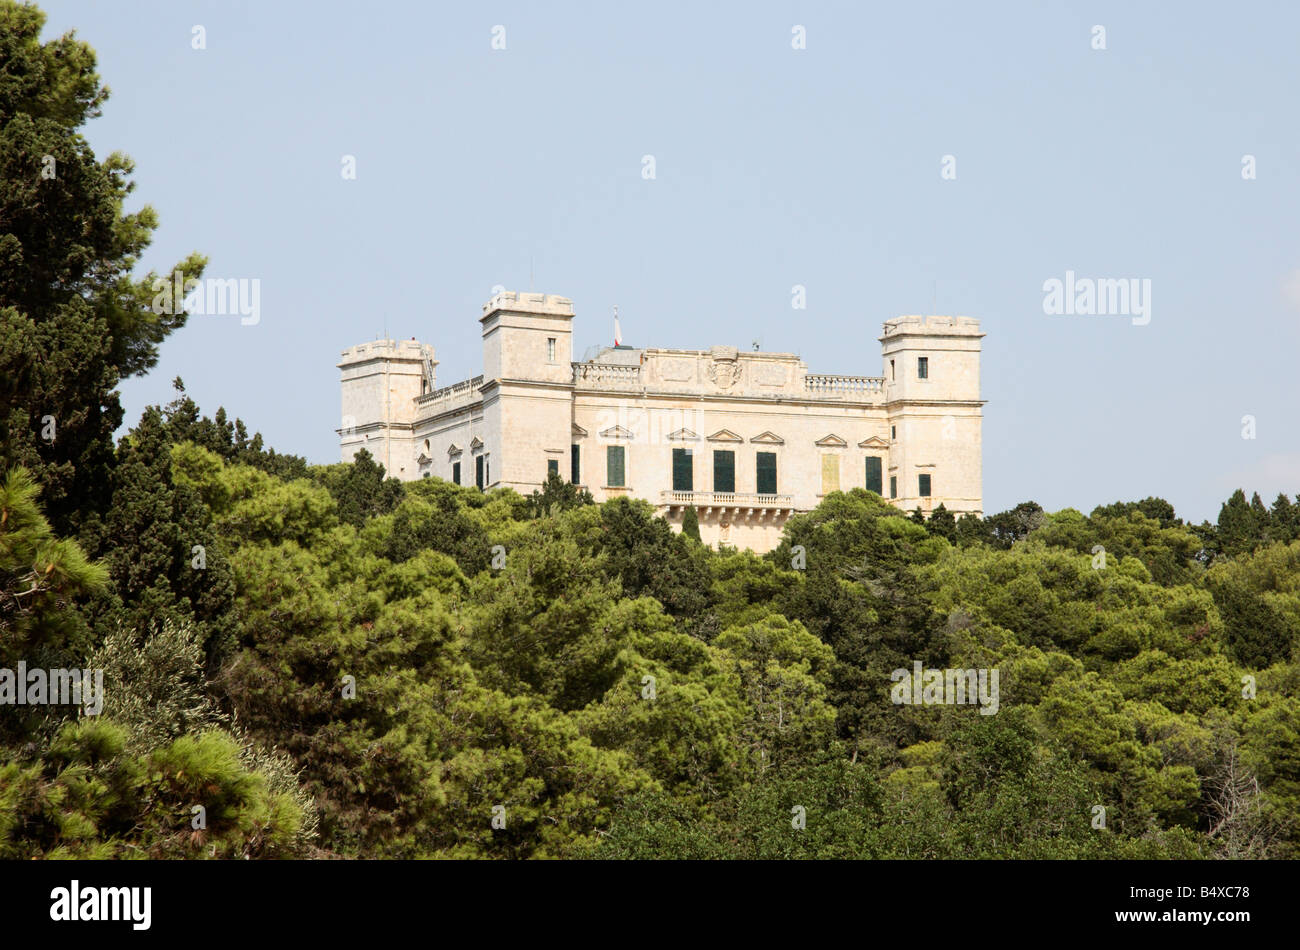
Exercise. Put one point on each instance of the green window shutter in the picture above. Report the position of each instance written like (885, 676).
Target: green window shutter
(893, 486)
(875, 473)
(683, 470)
(552, 467)
(922, 367)
(614, 466)
(455, 473)
(478, 472)
(766, 465)
(724, 470)
(575, 466)
(923, 485)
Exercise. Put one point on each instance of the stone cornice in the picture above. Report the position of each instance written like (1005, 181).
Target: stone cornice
(899, 403)
(787, 399)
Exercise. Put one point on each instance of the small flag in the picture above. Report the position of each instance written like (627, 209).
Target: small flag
(618, 333)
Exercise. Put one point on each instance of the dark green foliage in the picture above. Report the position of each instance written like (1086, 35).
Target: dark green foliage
(557, 495)
(157, 539)
(433, 517)
(360, 489)
(1157, 509)
(972, 529)
(691, 523)
(1245, 526)
(942, 524)
(1008, 527)
(74, 321)
(228, 440)
(39, 577)
(861, 597)
(648, 558)
(1241, 524)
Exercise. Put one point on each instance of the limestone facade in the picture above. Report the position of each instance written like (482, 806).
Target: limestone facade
(749, 438)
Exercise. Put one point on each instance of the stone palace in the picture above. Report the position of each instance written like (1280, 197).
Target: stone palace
(747, 437)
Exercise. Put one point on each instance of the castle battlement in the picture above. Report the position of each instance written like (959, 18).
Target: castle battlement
(747, 438)
(529, 303)
(933, 323)
(386, 349)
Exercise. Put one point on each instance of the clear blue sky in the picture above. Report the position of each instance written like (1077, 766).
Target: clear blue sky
(775, 167)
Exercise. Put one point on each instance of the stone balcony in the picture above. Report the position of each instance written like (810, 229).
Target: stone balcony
(842, 387)
(741, 502)
(450, 397)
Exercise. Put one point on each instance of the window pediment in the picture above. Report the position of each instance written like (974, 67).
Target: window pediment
(768, 438)
(832, 441)
(725, 435)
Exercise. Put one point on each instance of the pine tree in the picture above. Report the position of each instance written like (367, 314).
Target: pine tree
(1242, 524)
(1284, 520)
(362, 492)
(158, 541)
(556, 496)
(73, 320)
(942, 523)
(691, 523)
(40, 577)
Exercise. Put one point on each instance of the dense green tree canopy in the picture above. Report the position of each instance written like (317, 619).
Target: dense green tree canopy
(325, 661)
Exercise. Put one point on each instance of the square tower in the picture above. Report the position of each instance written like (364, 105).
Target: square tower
(380, 382)
(933, 405)
(527, 387)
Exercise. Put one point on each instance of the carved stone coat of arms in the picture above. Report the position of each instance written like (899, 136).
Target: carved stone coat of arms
(724, 371)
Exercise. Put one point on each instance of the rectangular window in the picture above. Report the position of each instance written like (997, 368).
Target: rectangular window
(923, 485)
(550, 349)
(552, 468)
(575, 466)
(893, 486)
(830, 473)
(683, 470)
(923, 367)
(478, 472)
(893, 432)
(724, 470)
(615, 474)
(874, 474)
(487, 472)
(766, 465)
(455, 473)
